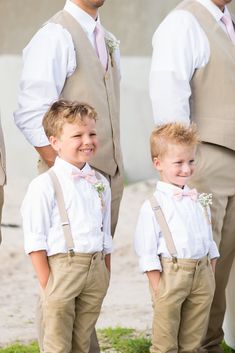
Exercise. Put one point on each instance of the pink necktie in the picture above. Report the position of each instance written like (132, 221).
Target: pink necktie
(89, 176)
(100, 45)
(229, 27)
(178, 194)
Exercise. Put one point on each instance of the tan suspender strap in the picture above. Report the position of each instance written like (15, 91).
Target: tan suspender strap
(63, 213)
(164, 228)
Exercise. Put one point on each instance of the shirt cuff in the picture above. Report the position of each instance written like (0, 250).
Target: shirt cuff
(213, 251)
(36, 137)
(108, 244)
(150, 263)
(34, 244)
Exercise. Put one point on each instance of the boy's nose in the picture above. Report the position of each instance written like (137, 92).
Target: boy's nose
(186, 168)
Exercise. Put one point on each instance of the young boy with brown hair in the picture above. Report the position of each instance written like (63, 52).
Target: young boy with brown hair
(175, 246)
(66, 222)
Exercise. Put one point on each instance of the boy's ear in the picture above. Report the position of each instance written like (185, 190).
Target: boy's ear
(54, 143)
(157, 163)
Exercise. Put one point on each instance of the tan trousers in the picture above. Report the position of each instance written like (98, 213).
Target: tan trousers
(216, 174)
(116, 184)
(72, 300)
(181, 305)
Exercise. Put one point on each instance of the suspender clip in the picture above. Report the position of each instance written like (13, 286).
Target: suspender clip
(64, 224)
(156, 207)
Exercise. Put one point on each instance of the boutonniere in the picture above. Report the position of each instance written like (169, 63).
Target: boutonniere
(112, 44)
(100, 187)
(205, 200)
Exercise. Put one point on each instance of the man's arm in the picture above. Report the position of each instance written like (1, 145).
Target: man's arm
(48, 60)
(47, 154)
(179, 47)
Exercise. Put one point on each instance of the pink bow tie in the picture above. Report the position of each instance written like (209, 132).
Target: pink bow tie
(89, 176)
(178, 194)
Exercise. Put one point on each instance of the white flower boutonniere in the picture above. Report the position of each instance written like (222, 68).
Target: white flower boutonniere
(100, 187)
(112, 44)
(205, 200)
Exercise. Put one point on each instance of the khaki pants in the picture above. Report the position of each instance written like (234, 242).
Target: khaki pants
(181, 305)
(72, 300)
(216, 174)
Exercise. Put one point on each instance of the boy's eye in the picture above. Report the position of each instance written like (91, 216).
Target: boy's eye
(192, 161)
(93, 134)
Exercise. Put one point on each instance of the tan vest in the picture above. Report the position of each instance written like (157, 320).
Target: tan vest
(213, 87)
(91, 84)
(2, 158)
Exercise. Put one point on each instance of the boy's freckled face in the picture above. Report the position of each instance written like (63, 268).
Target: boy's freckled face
(77, 142)
(177, 165)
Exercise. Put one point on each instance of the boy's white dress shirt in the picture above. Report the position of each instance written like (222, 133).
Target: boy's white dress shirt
(187, 222)
(41, 219)
(180, 46)
(48, 60)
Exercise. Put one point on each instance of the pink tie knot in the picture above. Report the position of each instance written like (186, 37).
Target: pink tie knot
(89, 176)
(178, 194)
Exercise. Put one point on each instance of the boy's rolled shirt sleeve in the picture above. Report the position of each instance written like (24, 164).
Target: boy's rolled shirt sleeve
(150, 263)
(34, 242)
(146, 240)
(36, 212)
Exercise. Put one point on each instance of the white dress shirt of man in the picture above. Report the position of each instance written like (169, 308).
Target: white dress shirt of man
(192, 78)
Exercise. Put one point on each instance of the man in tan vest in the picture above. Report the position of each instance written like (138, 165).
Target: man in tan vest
(73, 57)
(2, 173)
(192, 78)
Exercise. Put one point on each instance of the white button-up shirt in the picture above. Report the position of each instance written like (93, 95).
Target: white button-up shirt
(188, 224)
(41, 218)
(48, 60)
(180, 46)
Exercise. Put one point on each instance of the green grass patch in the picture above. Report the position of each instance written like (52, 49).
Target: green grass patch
(112, 340)
(20, 348)
(123, 340)
(227, 349)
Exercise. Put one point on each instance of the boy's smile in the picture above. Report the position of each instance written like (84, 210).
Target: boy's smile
(177, 165)
(77, 142)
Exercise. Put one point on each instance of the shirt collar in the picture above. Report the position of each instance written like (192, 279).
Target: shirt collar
(213, 9)
(167, 188)
(82, 17)
(67, 168)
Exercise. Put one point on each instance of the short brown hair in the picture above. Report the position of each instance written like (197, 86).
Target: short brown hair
(175, 133)
(64, 111)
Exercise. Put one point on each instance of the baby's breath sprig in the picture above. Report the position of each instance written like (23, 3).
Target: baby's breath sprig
(205, 200)
(100, 187)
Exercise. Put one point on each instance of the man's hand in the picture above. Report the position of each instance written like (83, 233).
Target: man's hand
(47, 154)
